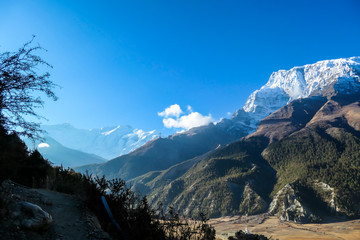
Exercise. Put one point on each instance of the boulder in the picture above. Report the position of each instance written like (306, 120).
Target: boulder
(30, 216)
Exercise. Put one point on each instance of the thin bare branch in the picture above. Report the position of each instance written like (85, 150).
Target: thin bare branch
(20, 81)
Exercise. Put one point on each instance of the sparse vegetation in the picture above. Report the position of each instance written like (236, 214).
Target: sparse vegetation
(240, 235)
(180, 227)
(131, 212)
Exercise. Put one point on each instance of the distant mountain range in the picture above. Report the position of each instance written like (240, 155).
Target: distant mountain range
(292, 150)
(69, 146)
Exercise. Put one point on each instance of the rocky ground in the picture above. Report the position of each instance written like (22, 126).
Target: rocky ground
(28, 213)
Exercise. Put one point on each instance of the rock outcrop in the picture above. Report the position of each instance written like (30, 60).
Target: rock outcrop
(287, 205)
(327, 194)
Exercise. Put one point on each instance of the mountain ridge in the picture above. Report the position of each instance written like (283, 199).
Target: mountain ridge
(162, 153)
(319, 118)
(231, 179)
(219, 182)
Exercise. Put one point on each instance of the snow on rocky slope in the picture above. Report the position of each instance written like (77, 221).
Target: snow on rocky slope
(299, 82)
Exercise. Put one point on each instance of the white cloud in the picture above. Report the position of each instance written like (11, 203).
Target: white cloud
(193, 119)
(43, 145)
(174, 110)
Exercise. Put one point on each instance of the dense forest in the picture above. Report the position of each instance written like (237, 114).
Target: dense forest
(319, 156)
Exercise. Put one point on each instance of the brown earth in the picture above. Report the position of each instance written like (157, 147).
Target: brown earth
(271, 226)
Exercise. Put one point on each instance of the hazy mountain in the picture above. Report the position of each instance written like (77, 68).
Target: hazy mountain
(59, 155)
(71, 147)
(108, 142)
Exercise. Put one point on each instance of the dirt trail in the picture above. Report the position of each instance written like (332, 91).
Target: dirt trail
(69, 216)
(71, 220)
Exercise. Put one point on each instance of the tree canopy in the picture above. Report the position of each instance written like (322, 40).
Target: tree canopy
(21, 82)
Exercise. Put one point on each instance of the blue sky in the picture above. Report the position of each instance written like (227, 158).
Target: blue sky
(123, 62)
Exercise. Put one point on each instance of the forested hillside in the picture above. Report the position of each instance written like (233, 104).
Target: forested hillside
(317, 154)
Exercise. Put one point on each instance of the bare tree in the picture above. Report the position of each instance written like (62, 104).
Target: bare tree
(21, 83)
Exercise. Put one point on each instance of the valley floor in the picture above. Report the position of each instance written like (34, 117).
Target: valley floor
(271, 226)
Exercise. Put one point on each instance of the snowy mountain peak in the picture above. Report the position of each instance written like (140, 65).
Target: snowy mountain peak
(301, 82)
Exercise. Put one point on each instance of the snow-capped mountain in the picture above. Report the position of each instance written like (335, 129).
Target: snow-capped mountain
(282, 87)
(108, 142)
(299, 82)
(310, 106)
